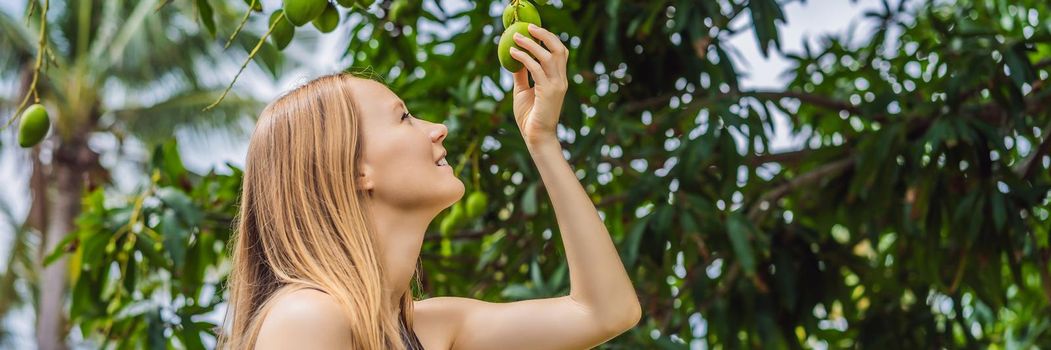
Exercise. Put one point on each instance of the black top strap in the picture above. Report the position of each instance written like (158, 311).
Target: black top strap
(408, 337)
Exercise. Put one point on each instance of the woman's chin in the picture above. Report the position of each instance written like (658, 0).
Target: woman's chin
(455, 193)
(462, 190)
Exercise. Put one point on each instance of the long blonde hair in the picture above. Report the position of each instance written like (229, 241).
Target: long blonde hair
(303, 220)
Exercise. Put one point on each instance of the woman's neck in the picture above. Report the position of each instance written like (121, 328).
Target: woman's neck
(400, 236)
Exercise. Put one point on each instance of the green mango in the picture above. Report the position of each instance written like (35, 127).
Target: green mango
(453, 220)
(477, 202)
(33, 126)
(366, 3)
(328, 20)
(302, 11)
(283, 32)
(458, 214)
(447, 226)
(527, 12)
(507, 40)
(346, 3)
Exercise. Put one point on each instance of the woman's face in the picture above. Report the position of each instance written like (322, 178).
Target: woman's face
(401, 154)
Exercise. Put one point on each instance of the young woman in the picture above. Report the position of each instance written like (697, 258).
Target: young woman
(340, 183)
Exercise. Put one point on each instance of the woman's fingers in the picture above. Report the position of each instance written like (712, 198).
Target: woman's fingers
(531, 64)
(541, 54)
(551, 41)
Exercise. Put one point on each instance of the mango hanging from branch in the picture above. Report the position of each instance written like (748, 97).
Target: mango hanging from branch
(34, 126)
(283, 31)
(477, 203)
(328, 20)
(507, 41)
(521, 11)
(301, 12)
(516, 18)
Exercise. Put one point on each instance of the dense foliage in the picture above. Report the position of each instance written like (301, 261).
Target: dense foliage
(914, 214)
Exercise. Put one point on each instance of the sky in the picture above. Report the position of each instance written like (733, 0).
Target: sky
(805, 21)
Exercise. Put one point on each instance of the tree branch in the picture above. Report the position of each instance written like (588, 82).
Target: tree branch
(771, 196)
(783, 158)
(791, 157)
(812, 99)
(42, 48)
(700, 45)
(1025, 168)
(816, 100)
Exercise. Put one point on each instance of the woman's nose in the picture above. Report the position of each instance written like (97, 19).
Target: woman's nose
(439, 132)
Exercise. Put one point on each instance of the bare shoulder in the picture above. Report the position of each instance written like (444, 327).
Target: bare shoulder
(305, 318)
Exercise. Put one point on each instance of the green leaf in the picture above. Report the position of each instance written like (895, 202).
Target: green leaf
(529, 200)
(740, 233)
(1021, 69)
(59, 250)
(700, 288)
(559, 276)
(785, 279)
(207, 17)
(85, 297)
(765, 15)
(537, 275)
(176, 238)
(996, 200)
(517, 292)
(130, 276)
(726, 68)
(93, 246)
(155, 338)
(255, 5)
(181, 204)
(630, 251)
(190, 334)
(490, 249)
(145, 245)
(166, 158)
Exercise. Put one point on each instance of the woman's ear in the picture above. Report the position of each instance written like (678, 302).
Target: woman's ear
(364, 179)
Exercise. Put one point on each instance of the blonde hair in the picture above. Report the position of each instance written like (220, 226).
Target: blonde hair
(304, 222)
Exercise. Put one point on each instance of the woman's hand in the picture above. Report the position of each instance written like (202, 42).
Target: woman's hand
(537, 108)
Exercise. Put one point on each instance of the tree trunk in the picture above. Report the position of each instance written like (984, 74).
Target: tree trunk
(38, 209)
(68, 167)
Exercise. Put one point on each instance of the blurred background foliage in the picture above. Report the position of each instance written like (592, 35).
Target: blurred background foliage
(912, 214)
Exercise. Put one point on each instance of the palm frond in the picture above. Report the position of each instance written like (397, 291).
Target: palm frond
(156, 122)
(18, 269)
(17, 42)
(167, 43)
